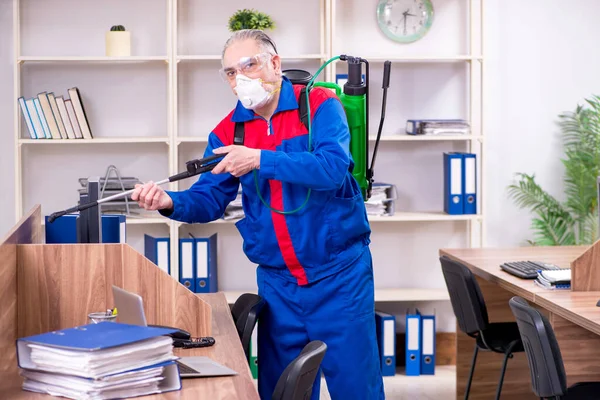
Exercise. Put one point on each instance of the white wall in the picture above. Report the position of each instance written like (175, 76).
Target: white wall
(526, 89)
(7, 176)
(543, 59)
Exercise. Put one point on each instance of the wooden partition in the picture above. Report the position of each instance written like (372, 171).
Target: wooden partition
(60, 284)
(585, 270)
(27, 230)
(55, 286)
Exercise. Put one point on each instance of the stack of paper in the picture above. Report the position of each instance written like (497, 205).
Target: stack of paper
(99, 361)
(554, 279)
(234, 209)
(382, 200)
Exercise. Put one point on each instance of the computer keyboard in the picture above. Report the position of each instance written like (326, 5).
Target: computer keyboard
(184, 369)
(527, 269)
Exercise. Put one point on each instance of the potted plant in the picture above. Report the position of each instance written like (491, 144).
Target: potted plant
(575, 220)
(250, 19)
(118, 42)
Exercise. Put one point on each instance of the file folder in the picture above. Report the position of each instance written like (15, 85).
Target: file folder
(386, 340)
(158, 250)
(254, 352)
(64, 229)
(413, 344)
(428, 345)
(453, 183)
(187, 256)
(206, 264)
(470, 183)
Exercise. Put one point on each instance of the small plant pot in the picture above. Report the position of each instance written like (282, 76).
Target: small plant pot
(118, 43)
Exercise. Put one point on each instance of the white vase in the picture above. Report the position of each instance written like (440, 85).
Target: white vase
(118, 43)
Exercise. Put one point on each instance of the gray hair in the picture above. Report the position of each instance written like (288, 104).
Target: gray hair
(264, 41)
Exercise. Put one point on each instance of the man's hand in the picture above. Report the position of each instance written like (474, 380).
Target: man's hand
(239, 160)
(150, 196)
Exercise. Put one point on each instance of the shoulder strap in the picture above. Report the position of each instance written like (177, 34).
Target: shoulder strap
(238, 135)
(302, 111)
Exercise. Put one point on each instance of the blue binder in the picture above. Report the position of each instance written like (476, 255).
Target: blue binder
(470, 183)
(93, 337)
(428, 345)
(94, 340)
(64, 229)
(158, 250)
(206, 264)
(453, 183)
(187, 263)
(386, 340)
(413, 344)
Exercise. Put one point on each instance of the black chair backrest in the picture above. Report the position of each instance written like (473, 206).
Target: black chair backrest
(548, 378)
(465, 295)
(296, 381)
(245, 313)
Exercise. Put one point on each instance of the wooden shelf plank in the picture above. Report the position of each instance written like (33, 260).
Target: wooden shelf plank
(91, 58)
(138, 221)
(437, 216)
(105, 140)
(384, 138)
(424, 58)
(381, 295)
(206, 57)
(425, 138)
(423, 216)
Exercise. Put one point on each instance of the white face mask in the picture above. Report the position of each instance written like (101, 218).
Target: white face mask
(251, 92)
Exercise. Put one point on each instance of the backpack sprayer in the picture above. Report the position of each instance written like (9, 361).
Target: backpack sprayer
(355, 100)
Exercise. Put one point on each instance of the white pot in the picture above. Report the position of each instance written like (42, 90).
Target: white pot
(118, 43)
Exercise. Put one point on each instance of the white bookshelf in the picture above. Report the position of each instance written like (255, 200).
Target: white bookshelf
(186, 68)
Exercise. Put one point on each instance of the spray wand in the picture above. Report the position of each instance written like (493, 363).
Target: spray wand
(193, 167)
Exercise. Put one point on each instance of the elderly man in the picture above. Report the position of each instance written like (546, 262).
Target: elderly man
(305, 222)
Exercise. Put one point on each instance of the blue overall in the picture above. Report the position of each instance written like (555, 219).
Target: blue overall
(314, 266)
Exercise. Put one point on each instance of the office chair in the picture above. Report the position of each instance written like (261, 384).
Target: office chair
(471, 313)
(548, 377)
(245, 313)
(296, 381)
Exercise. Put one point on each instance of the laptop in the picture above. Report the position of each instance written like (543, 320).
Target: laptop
(130, 308)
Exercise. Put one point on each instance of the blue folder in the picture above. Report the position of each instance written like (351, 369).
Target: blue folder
(386, 340)
(413, 344)
(427, 344)
(187, 263)
(158, 250)
(470, 183)
(453, 183)
(206, 264)
(64, 229)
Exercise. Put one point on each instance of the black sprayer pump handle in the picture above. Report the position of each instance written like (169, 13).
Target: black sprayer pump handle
(386, 74)
(385, 85)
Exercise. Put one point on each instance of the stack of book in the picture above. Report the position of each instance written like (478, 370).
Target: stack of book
(554, 279)
(53, 117)
(99, 361)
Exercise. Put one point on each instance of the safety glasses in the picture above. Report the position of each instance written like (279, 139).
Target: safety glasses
(246, 66)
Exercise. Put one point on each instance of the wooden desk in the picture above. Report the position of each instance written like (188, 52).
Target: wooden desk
(574, 316)
(227, 351)
(51, 287)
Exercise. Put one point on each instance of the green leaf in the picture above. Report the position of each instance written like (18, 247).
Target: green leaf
(576, 220)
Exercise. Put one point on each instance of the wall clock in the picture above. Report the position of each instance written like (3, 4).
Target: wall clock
(405, 21)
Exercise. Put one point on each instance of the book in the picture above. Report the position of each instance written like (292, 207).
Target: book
(554, 279)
